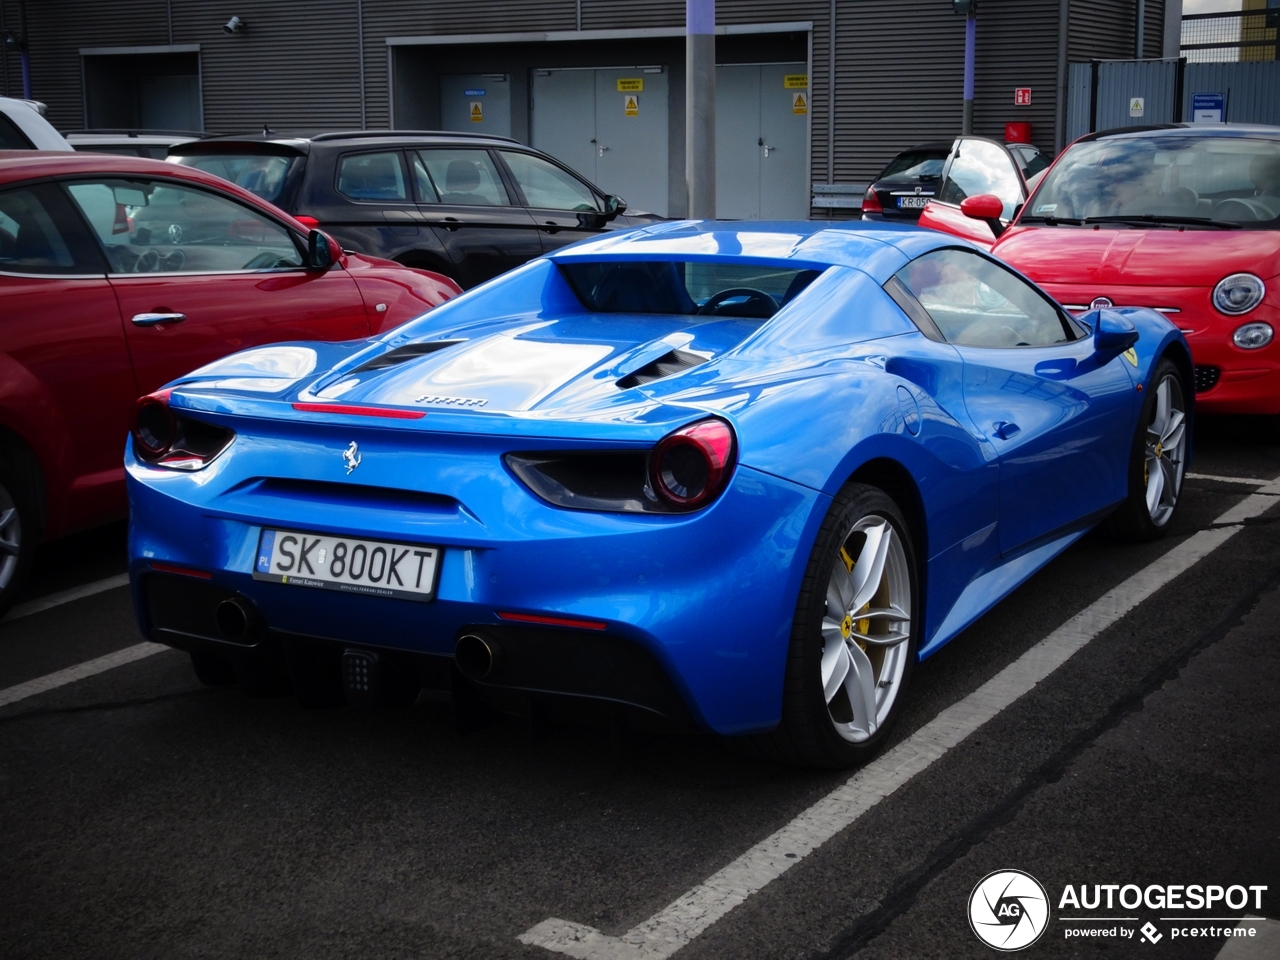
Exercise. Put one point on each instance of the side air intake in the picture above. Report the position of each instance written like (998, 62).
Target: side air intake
(666, 365)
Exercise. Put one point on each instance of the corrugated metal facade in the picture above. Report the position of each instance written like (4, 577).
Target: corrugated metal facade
(899, 73)
(1252, 89)
(1155, 82)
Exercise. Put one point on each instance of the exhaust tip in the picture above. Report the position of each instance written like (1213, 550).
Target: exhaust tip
(478, 657)
(233, 618)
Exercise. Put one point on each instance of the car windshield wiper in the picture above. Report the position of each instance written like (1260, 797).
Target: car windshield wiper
(1161, 218)
(1052, 221)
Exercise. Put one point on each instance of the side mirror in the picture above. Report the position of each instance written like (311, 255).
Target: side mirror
(613, 206)
(986, 207)
(1112, 335)
(319, 251)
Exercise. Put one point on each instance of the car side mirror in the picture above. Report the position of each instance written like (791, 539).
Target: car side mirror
(1112, 335)
(613, 206)
(319, 251)
(986, 207)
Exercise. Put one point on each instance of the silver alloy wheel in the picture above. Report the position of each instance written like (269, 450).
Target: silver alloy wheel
(865, 628)
(1166, 449)
(10, 538)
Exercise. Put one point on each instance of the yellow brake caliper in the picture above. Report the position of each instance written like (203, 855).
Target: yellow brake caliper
(849, 625)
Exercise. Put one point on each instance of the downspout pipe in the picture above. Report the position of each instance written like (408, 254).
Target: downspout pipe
(970, 45)
(1060, 104)
(700, 107)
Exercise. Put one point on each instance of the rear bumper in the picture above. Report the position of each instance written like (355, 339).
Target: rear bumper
(697, 608)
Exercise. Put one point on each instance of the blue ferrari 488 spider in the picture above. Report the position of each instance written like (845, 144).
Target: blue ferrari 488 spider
(738, 476)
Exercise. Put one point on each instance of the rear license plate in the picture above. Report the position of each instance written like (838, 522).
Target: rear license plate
(375, 568)
(912, 203)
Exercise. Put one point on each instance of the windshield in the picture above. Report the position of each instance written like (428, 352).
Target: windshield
(264, 175)
(916, 165)
(711, 289)
(1215, 181)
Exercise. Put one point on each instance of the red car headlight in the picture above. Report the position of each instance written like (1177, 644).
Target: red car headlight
(1238, 293)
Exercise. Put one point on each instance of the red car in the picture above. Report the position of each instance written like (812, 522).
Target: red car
(1184, 219)
(118, 274)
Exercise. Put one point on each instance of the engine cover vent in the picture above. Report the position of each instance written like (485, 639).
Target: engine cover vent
(410, 351)
(666, 365)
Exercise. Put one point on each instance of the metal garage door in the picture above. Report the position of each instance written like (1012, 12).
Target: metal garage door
(476, 103)
(609, 124)
(762, 134)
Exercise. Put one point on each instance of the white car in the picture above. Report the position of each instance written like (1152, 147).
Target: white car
(22, 127)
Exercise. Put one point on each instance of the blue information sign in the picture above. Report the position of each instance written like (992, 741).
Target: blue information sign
(473, 93)
(1208, 107)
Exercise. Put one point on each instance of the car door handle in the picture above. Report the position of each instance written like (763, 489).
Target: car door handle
(451, 223)
(1005, 430)
(151, 319)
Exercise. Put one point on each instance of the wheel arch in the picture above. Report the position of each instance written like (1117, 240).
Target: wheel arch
(895, 480)
(14, 449)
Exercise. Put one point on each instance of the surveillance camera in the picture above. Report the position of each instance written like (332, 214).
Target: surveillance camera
(233, 26)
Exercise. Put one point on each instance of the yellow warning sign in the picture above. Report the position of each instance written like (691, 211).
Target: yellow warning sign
(799, 104)
(631, 105)
(631, 84)
(477, 111)
(796, 81)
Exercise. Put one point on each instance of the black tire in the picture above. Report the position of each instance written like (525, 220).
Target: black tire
(213, 670)
(1134, 520)
(809, 733)
(20, 520)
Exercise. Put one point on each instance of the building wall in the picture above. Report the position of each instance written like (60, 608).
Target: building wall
(898, 79)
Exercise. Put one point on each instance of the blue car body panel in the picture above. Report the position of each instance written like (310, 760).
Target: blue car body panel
(838, 381)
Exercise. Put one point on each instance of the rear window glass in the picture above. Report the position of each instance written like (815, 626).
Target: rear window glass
(262, 175)
(713, 289)
(373, 176)
(916, 163)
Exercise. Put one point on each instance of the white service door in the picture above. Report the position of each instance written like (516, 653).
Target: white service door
(473, 103)
(582, 119)
(563, 121)
(762, 143)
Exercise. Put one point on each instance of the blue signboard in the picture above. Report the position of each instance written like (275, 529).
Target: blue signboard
(474, 93)
(1208, 108)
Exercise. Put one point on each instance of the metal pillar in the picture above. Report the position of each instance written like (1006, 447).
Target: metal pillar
(970, 41)
(700, 107)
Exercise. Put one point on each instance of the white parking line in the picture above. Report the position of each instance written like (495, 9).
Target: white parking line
(51, 681)
(65, 596)
(679, 923)
(1251, 481)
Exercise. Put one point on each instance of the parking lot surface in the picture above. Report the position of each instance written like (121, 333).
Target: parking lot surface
(148, 816)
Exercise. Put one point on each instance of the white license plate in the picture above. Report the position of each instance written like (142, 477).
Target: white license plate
(912, 203)
(374, 568)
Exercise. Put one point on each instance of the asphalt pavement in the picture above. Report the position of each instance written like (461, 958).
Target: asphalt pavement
(148, 816)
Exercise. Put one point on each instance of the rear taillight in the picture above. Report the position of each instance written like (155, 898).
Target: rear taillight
(311, 223)
(154, 427)
(165, 439)
(871, 202)
(690, 467)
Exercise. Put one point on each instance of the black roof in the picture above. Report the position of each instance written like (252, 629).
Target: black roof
(271, 141)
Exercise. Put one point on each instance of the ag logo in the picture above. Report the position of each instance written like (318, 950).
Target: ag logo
(1008, 910)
